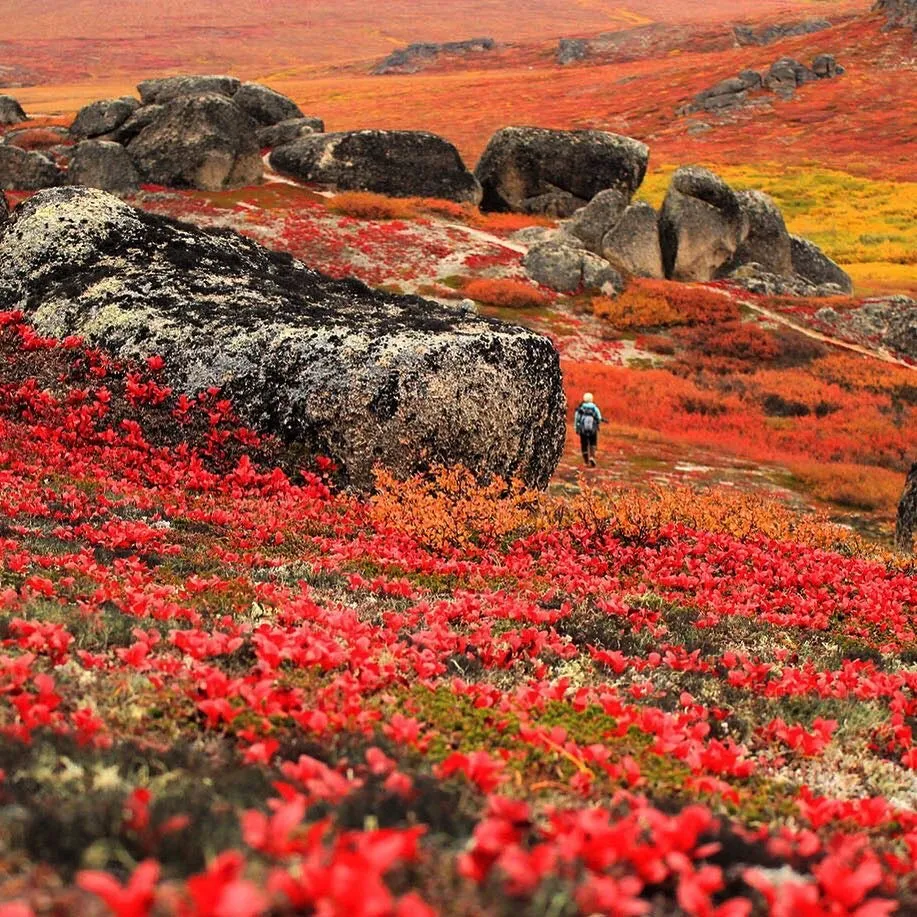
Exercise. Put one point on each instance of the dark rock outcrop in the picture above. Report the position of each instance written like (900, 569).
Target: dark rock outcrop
(701, 225)
(397, 163)
(812, 264)
(537, 170)
(102, 117)
(415, 56)
(10, 111)
(287, 131)
(198, 141)
(161, 90)
(4, 210)
(21, 170)
(826, 67)
(265, 106)
(563, 265)
(632, 244)
(768, 242)
(105, 165)
(747, 35)
(898, 13)
(786, 74)
(364, 377)
(571, 50)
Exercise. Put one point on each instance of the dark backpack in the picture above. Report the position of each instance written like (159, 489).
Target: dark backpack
(588, 421)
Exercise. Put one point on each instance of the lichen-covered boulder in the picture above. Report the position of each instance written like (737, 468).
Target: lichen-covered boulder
(632, 244)
(198, 141)
(364, 377)
(105, 165)
(397, 163)
(102, 117)
(265, 106)
(701, 225)
(563, 264)
(591, 223)
(813, 265)
(22, 170)
(131, 128)
(523, 164)
(768, 242)
(287, 131)
(4, 210)
(161, 90)
(10, 111)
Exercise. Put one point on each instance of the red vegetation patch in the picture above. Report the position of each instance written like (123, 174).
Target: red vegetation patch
(512, 294)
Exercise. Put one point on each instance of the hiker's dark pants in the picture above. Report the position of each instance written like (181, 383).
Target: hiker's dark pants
(588, 442)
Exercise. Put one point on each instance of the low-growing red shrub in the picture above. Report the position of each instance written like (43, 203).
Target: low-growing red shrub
(511, 294)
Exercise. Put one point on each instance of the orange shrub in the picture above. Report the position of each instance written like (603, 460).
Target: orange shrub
(449, 508)
(511, 294)
(365, 205)
(635, 312)
(663, 303)
(861, 372)
(856, 486)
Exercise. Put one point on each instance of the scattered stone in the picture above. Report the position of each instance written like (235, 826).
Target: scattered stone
(330, 366)
(632, 245)
(699, 128)
(746, 35)
(591, 223)
(141, 118)
(756, 278)
(105, 165)
(571, 50)
(532, 235)
(701, 225)
(785, 75)
(102, 117)
(899, 13)
(825, 67)
(812, 264)
(565, 266)
(22, 170)
(524, 169)
(416, 56)
(288, 131)
(397, 163)
(11, 111)
(906, 518)
(164, 89)
(768, 242)
(265, 106)
(198, 141)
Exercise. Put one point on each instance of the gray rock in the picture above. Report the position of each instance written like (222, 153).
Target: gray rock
(264, 106)
(757, 279)
(899, 13)
(10, 111)
(751, 79)
(141, 118)
(201, 141)
(826, 67)
(571, 50)
(562, 265)
(287, 131)
(21, 170)
(591, 223)
(532, 235)
(557, 204)
(337, 369)
(164, 89)
(397, 163)
(812, 264)
(746, 35)
(701, 225)
(786, 74)
(105, 165)
(524, 164)
(767, 242)
(102, 117)
(4, 210)
(632, 245)
(416, 56)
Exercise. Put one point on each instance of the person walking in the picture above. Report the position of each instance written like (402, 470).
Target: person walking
(586, 424)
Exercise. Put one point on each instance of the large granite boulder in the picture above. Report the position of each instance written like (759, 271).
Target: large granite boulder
(287, 131)
(102, 117)
(532, 169)
(164, 89)
(701, 225)
(397, 163)
(21, 170)
(768, 242)
(198, 141)
(143, 117)
(105, 165)
(632, 244)
(591, 223)
(564, 265)
(10, 111)
(813, 265)
(365, 377)
(265, 106)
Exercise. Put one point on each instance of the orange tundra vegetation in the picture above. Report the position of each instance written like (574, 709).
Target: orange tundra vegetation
(660, 303)
(510, 294)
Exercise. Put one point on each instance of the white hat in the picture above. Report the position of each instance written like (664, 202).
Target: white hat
(588, 397)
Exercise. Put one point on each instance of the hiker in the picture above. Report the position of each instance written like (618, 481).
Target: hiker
(586, 423)
(907, 513)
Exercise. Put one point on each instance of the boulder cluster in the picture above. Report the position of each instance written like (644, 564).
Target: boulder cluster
(899, 13)
(416, 56)
(783, 78)
(203, 132)
(748, 35)
(705, 231)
